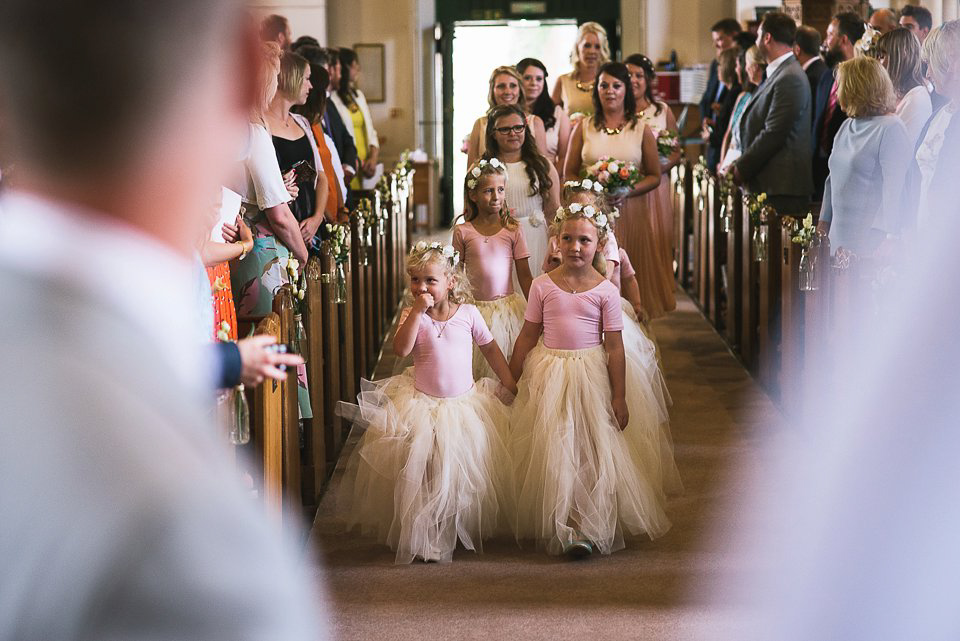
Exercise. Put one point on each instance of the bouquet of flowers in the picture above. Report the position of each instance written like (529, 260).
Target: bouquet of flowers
(667, 142)
(617, 177)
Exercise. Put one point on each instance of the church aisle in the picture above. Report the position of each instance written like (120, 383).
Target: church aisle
(644, 592)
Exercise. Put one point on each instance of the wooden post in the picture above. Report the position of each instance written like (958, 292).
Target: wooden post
(750, 292)
(769, 308)
(686, 222)
(714, 250)
(348, 335)
(267, 426)
(699, 203)
(357, 295)
(734, 321)
(283, 307)
(816, 306)
(791, 324)
(331, 364)
(314, 443)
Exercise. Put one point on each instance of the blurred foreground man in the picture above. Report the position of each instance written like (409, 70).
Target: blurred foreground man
(120, 515)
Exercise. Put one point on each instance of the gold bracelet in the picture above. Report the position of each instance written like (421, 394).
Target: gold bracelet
(243, 249)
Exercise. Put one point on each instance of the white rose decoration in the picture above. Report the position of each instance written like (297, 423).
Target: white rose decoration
(589, 211)
(602, 220)
(587, 183)
(420, 246)
(613, 168)
(476, 172)
(597, 187)
(575, 207)
(448, 252)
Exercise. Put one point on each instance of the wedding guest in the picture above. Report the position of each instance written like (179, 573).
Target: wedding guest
(899, 53)
(616, 131)
(917, 19)
(539, 103)
(123, 516)
(506, 88)
(723, 34)
(843, 32)
(751, 68)
(883, 20)
(335, 125)
(574, 90)
(807, 51)
(863, 198)
(276, 28)
(351, 104)
(723, 110)
(774, 129)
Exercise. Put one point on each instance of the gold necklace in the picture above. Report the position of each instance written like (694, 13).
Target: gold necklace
(612, 132)
(585, 88)
(566, 282)
(440, 326)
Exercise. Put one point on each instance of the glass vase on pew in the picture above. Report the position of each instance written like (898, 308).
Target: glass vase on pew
(239, 417)
(340, 284)
(808, 266)
(759, 243)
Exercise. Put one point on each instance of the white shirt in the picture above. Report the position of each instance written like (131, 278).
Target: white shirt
(775, 64)
(264, 182)
(146, 281)
(914, 109)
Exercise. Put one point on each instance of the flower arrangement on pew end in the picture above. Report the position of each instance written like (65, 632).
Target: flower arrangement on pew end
(668, 142)
(367, 218)
(727, 190)
(760, 215)
(617, 177)
(806, 236)
(233, 411)
(298, 283)
(336, 253)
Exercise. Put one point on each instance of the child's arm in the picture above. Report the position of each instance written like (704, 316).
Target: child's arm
(523, 275)
(491, 351)
(526, 341)
(617, 370)
(406, 336)
(611, 268)
(631, 291)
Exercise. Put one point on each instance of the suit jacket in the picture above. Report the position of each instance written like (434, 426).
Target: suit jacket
(814, 72)
(710, 93)
(122, 514)
(342, 138)
(943, 193)
(775, 134)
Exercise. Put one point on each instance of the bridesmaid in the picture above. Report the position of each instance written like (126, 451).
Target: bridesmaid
(574, 90)
(540, 104)
(659, 117)
(533, 185)
(506, 88)
(615, 130)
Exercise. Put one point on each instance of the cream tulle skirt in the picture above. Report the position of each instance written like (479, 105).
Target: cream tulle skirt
(577, 474)
(427, 472)
(504, 317)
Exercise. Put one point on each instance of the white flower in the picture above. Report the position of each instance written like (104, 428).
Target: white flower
(302, 294)
(613, 167)
(559, 212)
(536, 219)
(471, 183)
(589, 211)
(456, 259)
(495, 163)
(223, 336)
(602, 220)
(476, 171)
(575, 207)
(597, 187)
(225, 326)
(587, 183)
(420, 246)
(448, 251)
(615, 213)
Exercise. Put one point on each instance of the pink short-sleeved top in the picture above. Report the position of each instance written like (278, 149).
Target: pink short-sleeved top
(574, 321)
(489, 259)
(443, 365)
(626, 267)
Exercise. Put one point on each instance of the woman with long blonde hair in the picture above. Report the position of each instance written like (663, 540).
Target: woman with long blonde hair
(899, 53)
(574, 90)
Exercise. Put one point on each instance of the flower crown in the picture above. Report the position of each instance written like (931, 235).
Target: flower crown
(584, 185)
(477, 170)
(591, 213)
(867, 45)
(447, 251)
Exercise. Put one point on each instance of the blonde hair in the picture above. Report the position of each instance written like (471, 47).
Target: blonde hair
(513, 73)
(585, 29)
(492, 167)
(293, 70)
(564, 215)
(268, 64)
(901, 51)
(753, 55)
(864, 88)
(460, 290)
(941, 48)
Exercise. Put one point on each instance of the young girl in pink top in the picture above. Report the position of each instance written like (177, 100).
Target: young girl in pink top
(432, 467)
(587, 442)
(492, 245)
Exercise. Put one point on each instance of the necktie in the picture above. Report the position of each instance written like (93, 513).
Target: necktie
(826, 141)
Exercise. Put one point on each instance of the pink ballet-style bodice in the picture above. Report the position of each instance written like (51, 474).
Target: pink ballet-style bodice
(490, 259)
(626, 145)
(626, 268)
(574, 321)
(443, 365)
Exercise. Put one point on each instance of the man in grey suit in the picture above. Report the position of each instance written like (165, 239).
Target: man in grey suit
(775, 126)
(121, 516)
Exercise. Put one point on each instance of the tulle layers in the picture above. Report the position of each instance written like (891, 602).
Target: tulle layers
(427, 471)
(577, 474)
(504, 317)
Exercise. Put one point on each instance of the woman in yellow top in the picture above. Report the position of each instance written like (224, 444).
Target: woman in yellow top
(352, 107)
(574, 90)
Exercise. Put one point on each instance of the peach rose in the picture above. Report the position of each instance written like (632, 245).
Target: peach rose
(624, 173)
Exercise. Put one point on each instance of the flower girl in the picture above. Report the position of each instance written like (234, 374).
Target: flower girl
(432, 467)
(493, 245)
(588, 446)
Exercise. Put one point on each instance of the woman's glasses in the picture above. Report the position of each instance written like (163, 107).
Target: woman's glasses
(516, 129)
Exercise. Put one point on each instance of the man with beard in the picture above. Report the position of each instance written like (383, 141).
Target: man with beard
(844, 30)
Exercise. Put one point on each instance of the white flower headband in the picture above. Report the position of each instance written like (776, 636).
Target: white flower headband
(591, 213)
(447, 251)
(477, 170)
(584, 185)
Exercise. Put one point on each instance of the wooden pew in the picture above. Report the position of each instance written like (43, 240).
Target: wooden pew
(359, 299)
(714, 253)
(768, 308)
(332, 349)
(749, 296)
(697, 230)
(791, 322)
(733, 323)
(314, 469)
(266, 423)
(291, 495)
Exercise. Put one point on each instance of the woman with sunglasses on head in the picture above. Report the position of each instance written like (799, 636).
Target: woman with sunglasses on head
(506, 88)
(533, 185)
(539, 103)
